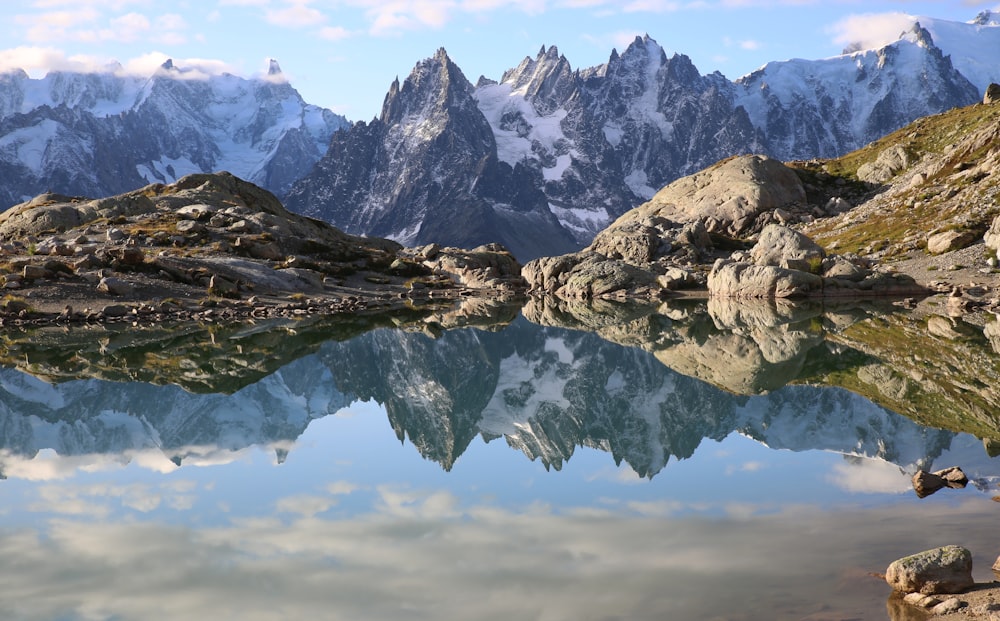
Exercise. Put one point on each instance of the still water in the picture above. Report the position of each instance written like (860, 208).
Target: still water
(523, 471)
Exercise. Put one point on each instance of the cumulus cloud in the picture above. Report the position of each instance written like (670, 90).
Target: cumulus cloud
(90, 22)
(295, 14)
(870, 476)
(867, 31)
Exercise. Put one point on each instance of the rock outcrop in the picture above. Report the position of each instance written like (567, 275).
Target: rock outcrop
(992, 236)
(736, 197)
(211, 237)
(786, 264)
(668, 244)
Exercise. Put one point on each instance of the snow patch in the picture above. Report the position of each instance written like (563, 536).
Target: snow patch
(580, 220)
(518, 128)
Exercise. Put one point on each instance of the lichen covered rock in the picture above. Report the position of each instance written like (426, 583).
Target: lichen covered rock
(947, 569)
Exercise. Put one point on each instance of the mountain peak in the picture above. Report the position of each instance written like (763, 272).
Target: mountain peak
(919, 35)
(273, 68)
(168, 65)
(987, 18)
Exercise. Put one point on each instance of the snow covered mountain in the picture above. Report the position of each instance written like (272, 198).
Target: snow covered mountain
(825, 108)
(582, 146)
(99, 134)
(427, 170)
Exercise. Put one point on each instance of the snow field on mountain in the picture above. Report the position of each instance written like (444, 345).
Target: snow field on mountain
(517, 145)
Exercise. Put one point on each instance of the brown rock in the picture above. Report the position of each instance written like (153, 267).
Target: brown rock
(992, 94)
(926, 483)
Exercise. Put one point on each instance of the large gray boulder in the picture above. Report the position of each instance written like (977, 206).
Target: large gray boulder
(587, 275)
(946, 569)
(733, 197)
(732, 279)
(887, 165)
(992, 237)
(781, 246)
(948, 241)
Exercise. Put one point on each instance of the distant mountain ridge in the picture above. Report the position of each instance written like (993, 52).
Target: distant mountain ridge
(98, 134)
(583, 146)
(539, 161)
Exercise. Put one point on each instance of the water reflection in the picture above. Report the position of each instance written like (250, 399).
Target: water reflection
(687, 461)
(698, 373)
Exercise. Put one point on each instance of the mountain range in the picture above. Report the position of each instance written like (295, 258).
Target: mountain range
(99, 134)
(539, 160)
(558, 153)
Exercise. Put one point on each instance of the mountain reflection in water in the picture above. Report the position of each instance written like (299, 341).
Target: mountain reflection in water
(806, 461)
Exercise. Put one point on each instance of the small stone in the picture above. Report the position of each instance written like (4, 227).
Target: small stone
(114, 286)
(115, 310)
(31, 272)
(921, 600)
(952, 604)
(221, 286)
(190, 226)
(115, 234)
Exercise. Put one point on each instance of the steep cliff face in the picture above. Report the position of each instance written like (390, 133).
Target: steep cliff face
(97, 134)
(427, 171)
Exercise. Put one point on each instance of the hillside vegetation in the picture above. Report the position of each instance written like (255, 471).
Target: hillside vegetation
(932, 176)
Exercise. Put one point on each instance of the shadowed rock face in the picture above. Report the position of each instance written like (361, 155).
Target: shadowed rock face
(427, 171)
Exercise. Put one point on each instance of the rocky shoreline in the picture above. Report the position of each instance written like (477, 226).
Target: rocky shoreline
(214, 247)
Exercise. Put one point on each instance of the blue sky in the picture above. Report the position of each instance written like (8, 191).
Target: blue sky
(343, 54)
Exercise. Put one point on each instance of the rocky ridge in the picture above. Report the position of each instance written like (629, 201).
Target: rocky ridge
(213, 245)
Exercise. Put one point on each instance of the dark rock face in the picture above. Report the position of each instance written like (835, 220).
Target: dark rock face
(427, 171)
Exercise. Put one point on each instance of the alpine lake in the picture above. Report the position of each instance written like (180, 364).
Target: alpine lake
(691, 461)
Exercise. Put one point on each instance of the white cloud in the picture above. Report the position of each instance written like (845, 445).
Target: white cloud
(870, 476)
(305, 505)
(171, 21)
(868, 31)
(295, 14)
